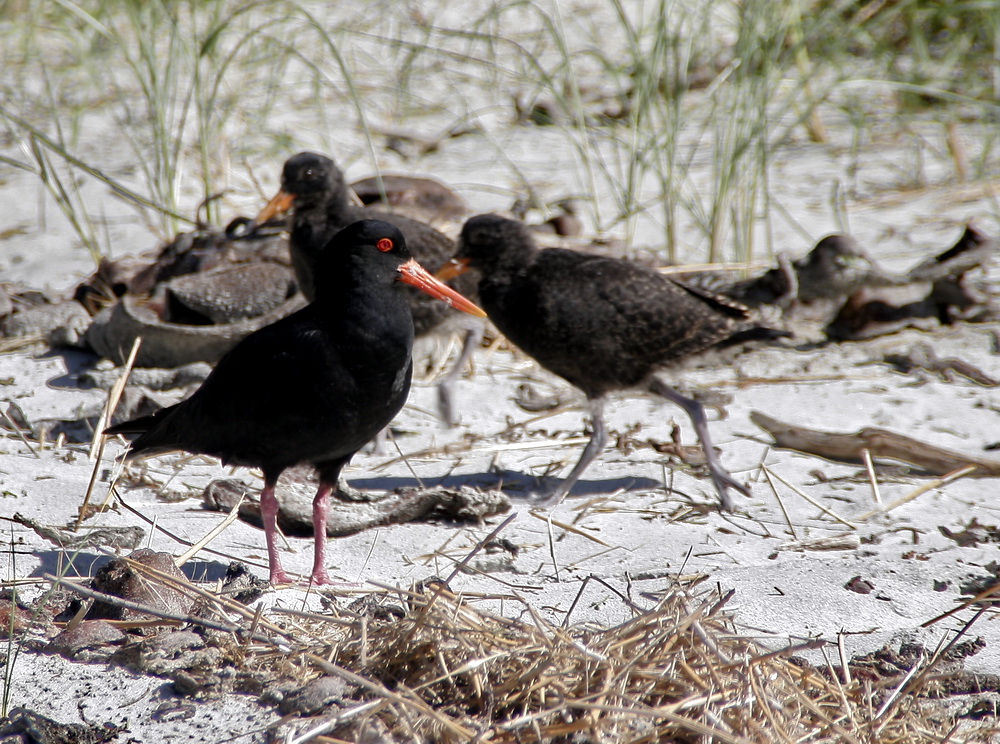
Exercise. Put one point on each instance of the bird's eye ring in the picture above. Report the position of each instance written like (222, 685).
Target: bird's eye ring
(385, 244)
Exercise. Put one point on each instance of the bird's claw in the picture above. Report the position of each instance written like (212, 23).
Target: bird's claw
(723, 481)
(279, 578)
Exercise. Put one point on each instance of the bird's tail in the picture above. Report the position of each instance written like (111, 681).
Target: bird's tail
(144, 438)
(754, 333)
(132, 428)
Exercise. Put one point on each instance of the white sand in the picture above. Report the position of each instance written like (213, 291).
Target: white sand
(781, 594)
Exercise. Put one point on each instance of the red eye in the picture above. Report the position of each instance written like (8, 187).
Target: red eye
(385, 244)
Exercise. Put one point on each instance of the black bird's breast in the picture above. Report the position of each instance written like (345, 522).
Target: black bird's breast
(300, 390)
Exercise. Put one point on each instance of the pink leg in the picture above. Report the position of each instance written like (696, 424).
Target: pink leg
(320, 506)
(269, 510)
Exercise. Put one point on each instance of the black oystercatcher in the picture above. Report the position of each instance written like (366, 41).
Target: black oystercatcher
(314, 190)
(313, 387)
(603, 324)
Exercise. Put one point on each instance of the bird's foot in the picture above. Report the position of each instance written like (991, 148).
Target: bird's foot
(551, 497)
(321, 578)
(279, 577)
(318, 578)
(722, 481)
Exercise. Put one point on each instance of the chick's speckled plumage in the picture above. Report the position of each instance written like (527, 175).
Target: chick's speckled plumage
(603, 324)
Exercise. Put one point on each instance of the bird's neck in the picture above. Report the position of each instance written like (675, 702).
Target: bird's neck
(373, 295)
(377, 327)
(321, 214)
(507, 269)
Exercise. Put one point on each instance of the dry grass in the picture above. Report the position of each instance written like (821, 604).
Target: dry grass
(432, 666)
(677, 672)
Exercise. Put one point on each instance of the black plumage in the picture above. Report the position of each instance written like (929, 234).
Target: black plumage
(313, 387)
(604, 324)
(313, 189)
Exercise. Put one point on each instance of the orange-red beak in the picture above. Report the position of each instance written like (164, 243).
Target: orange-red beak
(453, 268)
(417, 276)
(277, 207)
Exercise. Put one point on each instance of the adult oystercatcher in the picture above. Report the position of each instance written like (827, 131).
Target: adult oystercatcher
(603, 324)
(313, 387)
(313, 189)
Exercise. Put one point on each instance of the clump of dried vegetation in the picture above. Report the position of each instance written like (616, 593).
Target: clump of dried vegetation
(448, 671)
(428, 665)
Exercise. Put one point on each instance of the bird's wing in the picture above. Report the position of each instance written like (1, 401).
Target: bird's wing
(636, 310)
(268, 388)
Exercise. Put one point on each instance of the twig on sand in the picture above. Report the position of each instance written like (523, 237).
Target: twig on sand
(781, 503)
(479, 546)
(809, 498)
(547, 518)
(100, 440)
(870, 467)
(233, 515)
(879, 443)
(987, 593)
(20, 434)
(843, 541)
(919, 491)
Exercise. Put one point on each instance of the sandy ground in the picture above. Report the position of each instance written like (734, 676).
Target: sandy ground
(643, 534)
(647, 521)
